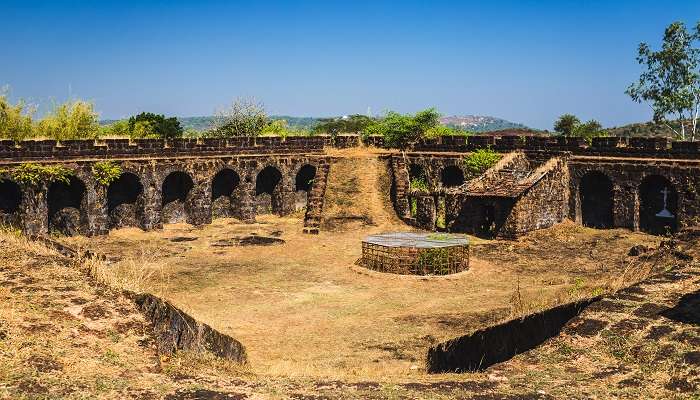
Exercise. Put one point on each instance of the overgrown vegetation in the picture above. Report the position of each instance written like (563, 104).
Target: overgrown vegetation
(245, 117)
(569, 125)
(106, 172)
(480, 160)
(15, 119)
(401, 131)
(356, 123)
(150, 125)
(70, 120)
(32, 174)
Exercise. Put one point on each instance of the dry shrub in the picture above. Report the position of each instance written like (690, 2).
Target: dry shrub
(138, 274)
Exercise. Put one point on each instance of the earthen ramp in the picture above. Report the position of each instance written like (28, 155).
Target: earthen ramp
(358, 193)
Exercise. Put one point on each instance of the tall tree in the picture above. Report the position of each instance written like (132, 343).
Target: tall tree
(670, 82)
(566, 124)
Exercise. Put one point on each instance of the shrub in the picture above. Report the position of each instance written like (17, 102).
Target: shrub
(245, 117)
(347, 124)
(155, 126)
(116, 129)
(402, 131)
(106, 172)
(15, 120)
(31, 174)
(442, 130)
(481, 160)
(419, 184)
(70, 120)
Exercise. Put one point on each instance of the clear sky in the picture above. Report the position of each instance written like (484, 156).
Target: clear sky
(525, 61)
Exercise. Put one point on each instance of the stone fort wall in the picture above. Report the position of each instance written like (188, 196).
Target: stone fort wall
(243, 176)
(163, 181)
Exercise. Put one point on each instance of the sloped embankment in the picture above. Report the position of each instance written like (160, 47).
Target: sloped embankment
(173, 329)
(640, 342)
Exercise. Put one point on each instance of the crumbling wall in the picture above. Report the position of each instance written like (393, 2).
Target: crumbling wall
(543, 205)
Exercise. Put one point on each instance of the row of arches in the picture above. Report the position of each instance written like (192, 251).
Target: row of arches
(450, 175)
(67, 201)
(658, 203)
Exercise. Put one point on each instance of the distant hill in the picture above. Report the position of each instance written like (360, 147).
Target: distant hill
(204, 123)
(480, 123)
(643, 129)
(474, 123)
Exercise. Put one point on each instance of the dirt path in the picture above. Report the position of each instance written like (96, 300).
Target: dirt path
(358, 192)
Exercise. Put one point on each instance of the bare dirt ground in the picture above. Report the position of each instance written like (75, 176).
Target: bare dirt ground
(302, 309)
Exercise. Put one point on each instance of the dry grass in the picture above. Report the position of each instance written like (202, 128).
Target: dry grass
(302, 311)
(139, 273)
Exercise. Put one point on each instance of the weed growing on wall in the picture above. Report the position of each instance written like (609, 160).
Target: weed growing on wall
(106, 172)
(481, 160)
(419, 184)
(31, 174)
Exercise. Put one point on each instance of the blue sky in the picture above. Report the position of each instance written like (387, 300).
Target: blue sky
(526, 61)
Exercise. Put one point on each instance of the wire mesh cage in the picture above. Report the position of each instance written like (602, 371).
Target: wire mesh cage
(410, 253)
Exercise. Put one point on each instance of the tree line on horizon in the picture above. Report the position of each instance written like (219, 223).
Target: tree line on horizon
(670, 84)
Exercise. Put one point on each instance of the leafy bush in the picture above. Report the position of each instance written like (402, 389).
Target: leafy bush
(15, 120)
(481, 160)
(401, 131)
(70, 120)
(570, 125)
(245, 117)
(442, 130)
(106, 172)
(419, 184)
(116, 129)
(155, 126)
(31, 174)
(347, 124)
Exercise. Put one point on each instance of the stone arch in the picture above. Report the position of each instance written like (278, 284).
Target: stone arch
(176, 191)
(597, 200)
(658, 205)
(125, 201)
(224, 196)
(303, 183)
(10, 202)
(268, 191)
(66, 203)
(305, 177)
(452, 176)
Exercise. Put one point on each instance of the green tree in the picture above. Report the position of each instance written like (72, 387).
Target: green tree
(348, 124)
(116, 129)
(670, 82)
(150, 125)
(401, 131)
(566, 124)
(70, 120)
(15, 120)
(245, 117)
(589, 129)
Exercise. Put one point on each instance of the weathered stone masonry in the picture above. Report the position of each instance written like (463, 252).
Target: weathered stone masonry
(615, 182)
(194, 184)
